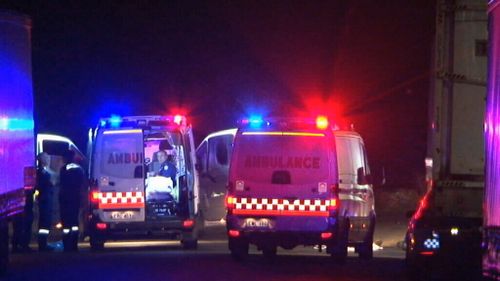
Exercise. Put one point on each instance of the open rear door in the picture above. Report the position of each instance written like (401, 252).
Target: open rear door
(119, 170)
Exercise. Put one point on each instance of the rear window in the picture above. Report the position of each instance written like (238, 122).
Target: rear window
(122, 154)
(298, 159)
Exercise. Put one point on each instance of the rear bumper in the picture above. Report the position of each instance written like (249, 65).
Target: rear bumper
(170, 229)
(286, 232)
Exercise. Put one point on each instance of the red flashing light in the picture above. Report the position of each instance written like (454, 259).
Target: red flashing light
(233, 233)
(101, 226)
(322, 122)
(326, 235)
(189, 223)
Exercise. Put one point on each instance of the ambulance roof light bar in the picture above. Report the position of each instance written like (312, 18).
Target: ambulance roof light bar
(321, 122)
(143, 121)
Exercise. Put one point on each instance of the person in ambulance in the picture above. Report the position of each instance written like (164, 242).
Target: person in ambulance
(162, 179)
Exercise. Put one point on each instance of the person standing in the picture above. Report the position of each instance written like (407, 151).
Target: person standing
(72, 180)
(45, 190)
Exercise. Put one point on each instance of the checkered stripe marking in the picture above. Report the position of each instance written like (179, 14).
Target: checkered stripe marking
(121, 200)
(265, 206)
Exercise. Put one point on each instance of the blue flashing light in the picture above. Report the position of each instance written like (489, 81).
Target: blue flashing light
(115, 121)
(7, 124)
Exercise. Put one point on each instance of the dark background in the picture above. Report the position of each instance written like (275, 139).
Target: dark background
(363, 62)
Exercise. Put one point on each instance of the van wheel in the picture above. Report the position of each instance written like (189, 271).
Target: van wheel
(338, 250)
(365, 250)
(189, 244)
(96, 244)
(238, 248)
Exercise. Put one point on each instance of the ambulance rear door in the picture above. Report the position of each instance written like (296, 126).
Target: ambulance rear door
(118, 168)
(297, 168)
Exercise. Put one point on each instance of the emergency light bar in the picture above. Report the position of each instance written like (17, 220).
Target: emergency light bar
(321, 123)
(143, 121)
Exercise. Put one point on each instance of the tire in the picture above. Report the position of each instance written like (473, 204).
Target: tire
(238, 248)
(189, 244)
(96, 244)
(365, 250)
(4, 247)
(338, 250)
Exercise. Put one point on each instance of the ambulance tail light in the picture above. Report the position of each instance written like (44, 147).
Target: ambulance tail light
(188, 224)
(230, 204)
(332, 204)
(95, 196)
(233, 233)
(101, 226)
(326, 235)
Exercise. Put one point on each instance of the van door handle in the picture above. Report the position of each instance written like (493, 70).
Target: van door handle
(112, 183)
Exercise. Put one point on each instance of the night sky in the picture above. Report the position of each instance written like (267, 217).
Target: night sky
(364, 62)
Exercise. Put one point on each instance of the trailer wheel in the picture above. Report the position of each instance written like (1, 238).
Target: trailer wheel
(239, 248)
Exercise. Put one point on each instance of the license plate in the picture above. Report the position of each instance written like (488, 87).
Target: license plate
(263, 223)
(122, 215)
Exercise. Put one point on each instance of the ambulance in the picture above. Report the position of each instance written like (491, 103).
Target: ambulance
(296, 181)
(131, 195)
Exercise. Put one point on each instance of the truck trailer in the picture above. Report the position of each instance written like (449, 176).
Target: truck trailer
(17, 138)
(444, 233)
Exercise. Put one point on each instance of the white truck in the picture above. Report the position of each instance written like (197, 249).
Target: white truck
(17, 138)
(445, 230)
(491, 222)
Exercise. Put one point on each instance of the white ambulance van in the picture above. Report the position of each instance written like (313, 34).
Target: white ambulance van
(213, 156)
(133, 192)
(298, 182)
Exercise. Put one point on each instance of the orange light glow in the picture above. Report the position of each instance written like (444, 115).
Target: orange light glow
(322, 122)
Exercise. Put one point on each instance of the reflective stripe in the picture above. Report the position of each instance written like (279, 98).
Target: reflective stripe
(65, 230)
(74, 228)
(72, 166)
(284, 207)
(43, 231)
(120, 200)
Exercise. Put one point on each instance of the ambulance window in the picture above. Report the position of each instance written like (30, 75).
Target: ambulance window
(121, 154)
(305, 159)
(201, 156)
(344, 156)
